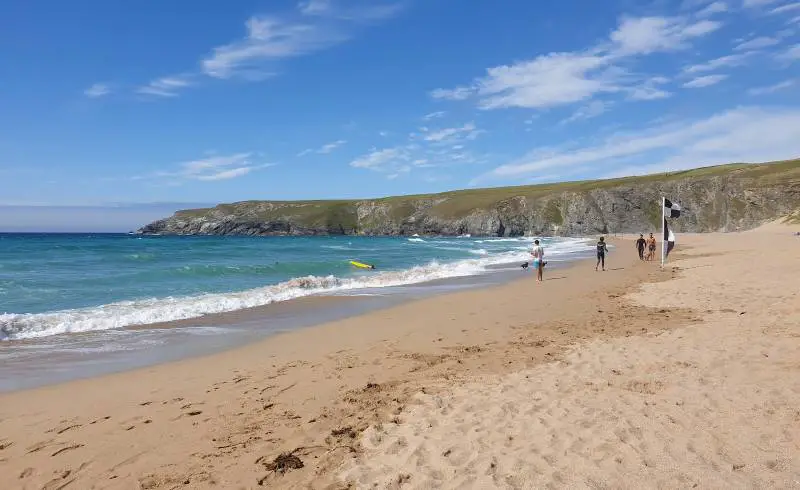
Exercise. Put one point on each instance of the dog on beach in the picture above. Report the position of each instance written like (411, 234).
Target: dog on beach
(527, 264)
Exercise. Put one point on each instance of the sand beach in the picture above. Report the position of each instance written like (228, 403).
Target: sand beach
(637, 377)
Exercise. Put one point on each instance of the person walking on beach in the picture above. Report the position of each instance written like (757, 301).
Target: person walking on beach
(640, 244)
(538, 259)
(601, 253)
(651, 247)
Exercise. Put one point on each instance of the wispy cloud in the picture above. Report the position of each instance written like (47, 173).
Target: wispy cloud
(717, 63)
(712, 9)
(705, 81)
(218, 167)
(563, 78)
(426, 149)
(791, 54)
(756, 43)
(324, 149)
(646, 35)
(97, 90)
(387, 159)
(589, 111)
(273, 38)
(738, 135)
(267, 38)
(648, 90)
(433, 115)
(789, 7)
(772, 88)
(164, 87)
(468, 131)
(360, 11)
(757, 3)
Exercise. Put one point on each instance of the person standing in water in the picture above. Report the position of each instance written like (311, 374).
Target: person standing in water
(640, 244)
(538, 259)
(601, 253)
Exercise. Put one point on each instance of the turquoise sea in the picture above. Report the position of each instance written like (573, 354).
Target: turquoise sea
(70, 297)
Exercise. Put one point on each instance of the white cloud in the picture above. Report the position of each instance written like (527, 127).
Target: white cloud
(772, 88)
(315, 7)
(268, 38)
(791, 54)
(756, 43)
(649, 90)
(97, 90)
(382, 160)
(327, 148)
(706, 81)
(757, 3)
(164, 87)
(645, 35)
(226, 174)
(364, 10)
(569, 77)
(714, 8)
(433, 115)
(458, 93)
(468, 131)
(212, 168)
(546, 81)
(324, 149)
(722, 62)
(590, 110)
(739, 135)
(789, 7)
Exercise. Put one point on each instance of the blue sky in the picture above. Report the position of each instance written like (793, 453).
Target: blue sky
(116, 113)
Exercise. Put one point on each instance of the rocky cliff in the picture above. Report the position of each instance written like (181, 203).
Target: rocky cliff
(722, 198)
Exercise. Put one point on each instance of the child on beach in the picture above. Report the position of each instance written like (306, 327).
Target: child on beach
(538, 259)
(601, 253)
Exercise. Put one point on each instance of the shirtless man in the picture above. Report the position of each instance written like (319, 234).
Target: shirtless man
(651, 247)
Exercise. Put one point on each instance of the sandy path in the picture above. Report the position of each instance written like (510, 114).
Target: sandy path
(712, 405)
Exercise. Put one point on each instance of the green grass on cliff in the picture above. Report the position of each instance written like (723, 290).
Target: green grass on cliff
(455, 204)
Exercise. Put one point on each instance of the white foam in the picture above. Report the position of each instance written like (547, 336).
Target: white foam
(143, 312)
(416, 240)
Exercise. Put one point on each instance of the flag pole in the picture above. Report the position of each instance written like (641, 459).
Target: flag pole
(663, 231)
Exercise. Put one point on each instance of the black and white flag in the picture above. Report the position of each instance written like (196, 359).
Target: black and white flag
(671, 210)
(669, 239)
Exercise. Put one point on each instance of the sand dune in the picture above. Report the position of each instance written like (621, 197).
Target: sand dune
(713, 405)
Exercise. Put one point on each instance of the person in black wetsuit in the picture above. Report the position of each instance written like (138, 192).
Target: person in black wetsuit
(640, 244)
(601, 253)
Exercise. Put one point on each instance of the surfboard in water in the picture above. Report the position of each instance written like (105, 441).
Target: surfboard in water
(362, 265)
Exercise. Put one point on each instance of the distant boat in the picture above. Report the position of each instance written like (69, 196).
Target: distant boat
(415, 235)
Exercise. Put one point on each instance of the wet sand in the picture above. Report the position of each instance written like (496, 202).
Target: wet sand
(351, 400)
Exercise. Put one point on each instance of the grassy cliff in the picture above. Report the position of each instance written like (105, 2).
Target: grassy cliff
(724, 197)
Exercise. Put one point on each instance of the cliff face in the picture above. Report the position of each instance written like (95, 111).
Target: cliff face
(725, 198)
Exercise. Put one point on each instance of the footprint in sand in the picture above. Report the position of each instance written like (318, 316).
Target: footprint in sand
(75, 426)
(67, 448)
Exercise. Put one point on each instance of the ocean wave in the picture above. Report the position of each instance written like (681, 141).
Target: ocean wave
(416, 240)
(14, 326)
